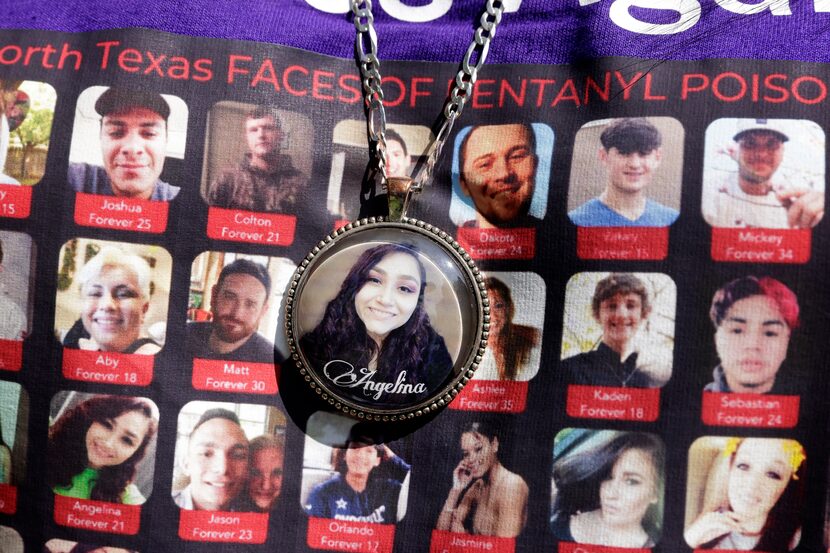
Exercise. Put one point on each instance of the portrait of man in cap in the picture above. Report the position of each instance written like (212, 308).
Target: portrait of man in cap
(133, 141)
(758, 192)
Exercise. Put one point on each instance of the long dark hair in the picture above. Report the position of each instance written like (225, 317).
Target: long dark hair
(578, 477)
(342, 335)
(518, 340)
(67, 445)
(784, 519)
(486, 428)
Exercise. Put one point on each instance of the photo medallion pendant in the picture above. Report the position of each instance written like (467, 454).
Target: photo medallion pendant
(387, 317)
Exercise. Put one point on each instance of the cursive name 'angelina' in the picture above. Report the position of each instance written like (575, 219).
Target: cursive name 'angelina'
(343, 373)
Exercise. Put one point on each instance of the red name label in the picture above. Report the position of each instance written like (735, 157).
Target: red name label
(223, 526)
(627, 243)
(11, 355)
(493, 396)
(113, 212)
(755, 410)
(99, 516)
(235, 376)
(106, 367)
(605, 402)
(496, 243)
(249, 226)
(8, 499)
(340, 223)
(347, 535)
(759, 245)
(15, 201)
(455, 542)
(571, 547)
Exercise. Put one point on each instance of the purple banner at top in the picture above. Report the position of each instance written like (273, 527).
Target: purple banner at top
(533, 31)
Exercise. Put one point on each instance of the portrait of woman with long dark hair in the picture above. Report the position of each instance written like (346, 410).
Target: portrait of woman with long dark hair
(96, 446)
(486, 498)
(752, 497)
(512, 349)
(608, 488)
(377, 322)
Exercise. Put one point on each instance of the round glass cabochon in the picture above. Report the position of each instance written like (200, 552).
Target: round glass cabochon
(387, 317)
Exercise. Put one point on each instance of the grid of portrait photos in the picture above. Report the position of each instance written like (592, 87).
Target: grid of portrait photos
(651, 379)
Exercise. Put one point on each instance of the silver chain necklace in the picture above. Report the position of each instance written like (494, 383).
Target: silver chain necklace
(366, 49)
(387, 317)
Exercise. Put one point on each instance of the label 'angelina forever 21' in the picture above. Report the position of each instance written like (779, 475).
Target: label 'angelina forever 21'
(387, 318)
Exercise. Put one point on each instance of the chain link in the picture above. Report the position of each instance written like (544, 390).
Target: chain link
(366, 50)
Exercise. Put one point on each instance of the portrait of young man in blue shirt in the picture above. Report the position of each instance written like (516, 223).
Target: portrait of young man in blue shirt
(631, 152)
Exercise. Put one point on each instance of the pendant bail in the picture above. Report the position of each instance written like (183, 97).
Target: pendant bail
(398, 194)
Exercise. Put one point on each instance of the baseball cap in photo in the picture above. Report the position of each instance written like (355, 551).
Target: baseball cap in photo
(119, 100)
(773, 126)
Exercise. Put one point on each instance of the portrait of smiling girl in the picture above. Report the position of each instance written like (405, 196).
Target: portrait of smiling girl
(378, 322)
(97, 445)
(112, 296)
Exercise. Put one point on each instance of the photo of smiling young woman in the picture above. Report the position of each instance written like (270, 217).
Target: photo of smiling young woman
(112, 296)
(618, 329)
(386, 308)
(102, 447)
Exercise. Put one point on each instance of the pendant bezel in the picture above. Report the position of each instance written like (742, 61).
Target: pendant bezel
(472, 341)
